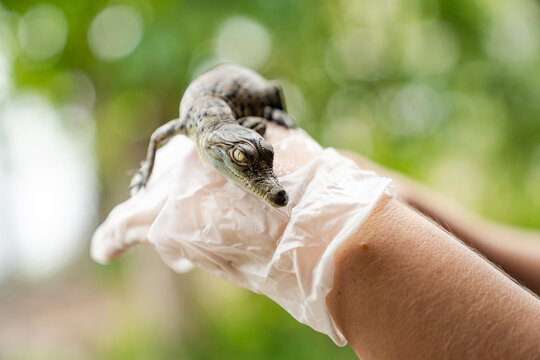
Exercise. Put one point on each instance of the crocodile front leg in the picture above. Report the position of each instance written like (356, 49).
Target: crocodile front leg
(254, 122)
(158, 138)
(279, 117)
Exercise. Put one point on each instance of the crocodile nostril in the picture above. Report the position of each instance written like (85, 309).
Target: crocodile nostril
(280, 198)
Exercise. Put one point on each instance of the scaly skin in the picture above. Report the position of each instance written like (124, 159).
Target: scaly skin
(224, 111)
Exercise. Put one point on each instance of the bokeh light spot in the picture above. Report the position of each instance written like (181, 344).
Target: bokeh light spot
(74, 86)
(414, 109)
(244, 41)
(433, 38)
(358, 54)
(42, 32)
(350, 122)
(369, 12)
(115, 32)
(514, 33)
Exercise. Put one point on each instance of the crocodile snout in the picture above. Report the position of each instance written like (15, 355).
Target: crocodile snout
(278, 197)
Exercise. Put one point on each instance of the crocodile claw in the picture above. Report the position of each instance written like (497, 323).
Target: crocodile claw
(279, 117)
(137, 182)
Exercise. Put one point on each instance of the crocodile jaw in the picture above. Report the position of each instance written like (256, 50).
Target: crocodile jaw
(265, 186)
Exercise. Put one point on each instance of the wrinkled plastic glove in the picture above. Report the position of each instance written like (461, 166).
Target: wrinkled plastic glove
(191, 213)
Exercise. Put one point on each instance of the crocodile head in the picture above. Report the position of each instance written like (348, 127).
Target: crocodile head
(245, 157)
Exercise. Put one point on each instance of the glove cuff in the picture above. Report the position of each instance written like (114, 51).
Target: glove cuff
(325, 211)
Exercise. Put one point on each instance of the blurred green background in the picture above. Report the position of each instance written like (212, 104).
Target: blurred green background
(447, 92)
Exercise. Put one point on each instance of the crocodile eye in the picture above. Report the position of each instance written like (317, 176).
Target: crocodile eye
(239, 157)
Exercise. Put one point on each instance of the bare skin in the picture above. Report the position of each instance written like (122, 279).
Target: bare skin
(404, 288)
(516, 250)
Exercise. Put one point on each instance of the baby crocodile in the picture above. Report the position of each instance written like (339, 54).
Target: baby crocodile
(224, 111)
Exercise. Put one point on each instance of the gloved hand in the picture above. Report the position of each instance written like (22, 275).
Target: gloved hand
(190, 211)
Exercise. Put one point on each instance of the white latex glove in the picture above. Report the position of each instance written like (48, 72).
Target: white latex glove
(190, 211)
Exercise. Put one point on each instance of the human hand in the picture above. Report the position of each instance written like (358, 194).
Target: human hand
(190, 211)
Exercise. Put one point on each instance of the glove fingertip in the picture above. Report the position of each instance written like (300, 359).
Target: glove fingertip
(101, 250)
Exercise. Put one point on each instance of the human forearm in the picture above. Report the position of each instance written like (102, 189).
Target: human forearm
(516, 250)
(404, 288)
